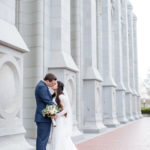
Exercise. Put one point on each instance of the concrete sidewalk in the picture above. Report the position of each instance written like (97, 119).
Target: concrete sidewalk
(134, 136)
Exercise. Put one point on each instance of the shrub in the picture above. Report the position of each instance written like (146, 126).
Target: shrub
(145, 110)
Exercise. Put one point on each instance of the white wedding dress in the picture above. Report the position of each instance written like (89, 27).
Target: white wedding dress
(60, 138)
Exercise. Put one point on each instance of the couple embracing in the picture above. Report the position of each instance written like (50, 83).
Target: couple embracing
(59, 136)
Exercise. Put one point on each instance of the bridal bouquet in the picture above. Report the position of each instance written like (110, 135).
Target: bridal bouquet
(51, 110)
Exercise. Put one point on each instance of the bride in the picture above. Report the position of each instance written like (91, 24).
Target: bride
(60, 138)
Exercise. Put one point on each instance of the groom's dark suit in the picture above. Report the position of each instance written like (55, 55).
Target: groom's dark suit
(43, 97)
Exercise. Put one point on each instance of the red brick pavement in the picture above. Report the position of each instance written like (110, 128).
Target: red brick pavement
(134, 136)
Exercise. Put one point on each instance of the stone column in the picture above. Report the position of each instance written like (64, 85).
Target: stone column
(131, 58)
(125, 60)
(118, 69)
(12, 48)
(60, 60)
(138, 103)
(99, 35)
(91, 77)
(75, 12)
(99, 50)
(109, 85)
(30, 24)
(135, 112)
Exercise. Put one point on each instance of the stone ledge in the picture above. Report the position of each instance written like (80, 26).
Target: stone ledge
(10, 37)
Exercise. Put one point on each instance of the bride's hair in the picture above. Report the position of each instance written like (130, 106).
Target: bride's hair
(59, 92)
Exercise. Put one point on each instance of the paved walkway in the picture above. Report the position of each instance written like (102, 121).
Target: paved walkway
(134, 136)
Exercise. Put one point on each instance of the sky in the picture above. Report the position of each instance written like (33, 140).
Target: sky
(142, 10)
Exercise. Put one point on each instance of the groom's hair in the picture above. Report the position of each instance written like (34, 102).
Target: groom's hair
(50, 77)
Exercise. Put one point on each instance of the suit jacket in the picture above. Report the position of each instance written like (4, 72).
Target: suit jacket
(43, 97)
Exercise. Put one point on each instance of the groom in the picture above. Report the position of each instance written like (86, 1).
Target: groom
(43, 97)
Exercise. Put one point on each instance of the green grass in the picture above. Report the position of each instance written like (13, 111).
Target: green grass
(145, 110)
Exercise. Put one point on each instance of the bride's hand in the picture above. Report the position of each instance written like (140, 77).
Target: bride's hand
(53, 117)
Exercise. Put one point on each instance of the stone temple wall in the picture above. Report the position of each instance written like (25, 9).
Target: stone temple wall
(91, 45)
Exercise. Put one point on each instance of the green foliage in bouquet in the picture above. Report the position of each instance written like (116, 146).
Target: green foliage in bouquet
(50, 110)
